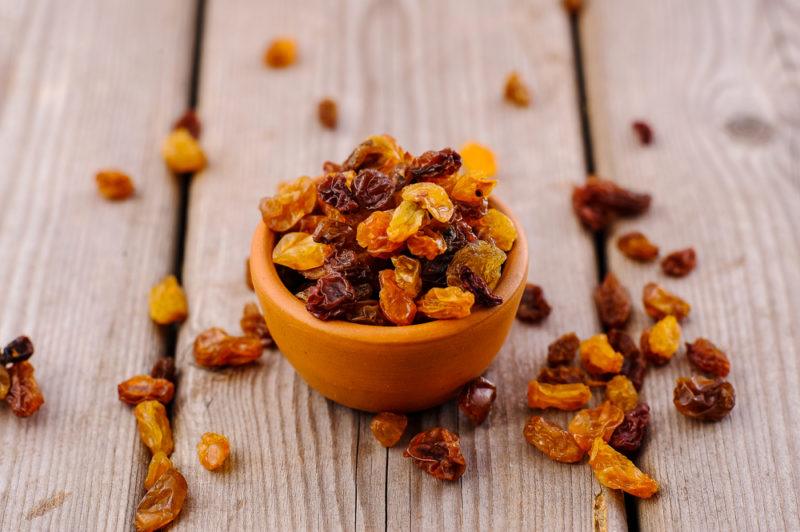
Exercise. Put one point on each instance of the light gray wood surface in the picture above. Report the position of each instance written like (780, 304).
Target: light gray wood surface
(719, 84)
(83, 85)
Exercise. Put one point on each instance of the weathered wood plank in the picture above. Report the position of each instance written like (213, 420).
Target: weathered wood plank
(720, 86)
(83, 85)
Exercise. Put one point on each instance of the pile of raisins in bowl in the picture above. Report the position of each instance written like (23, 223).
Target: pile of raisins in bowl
(386, 238)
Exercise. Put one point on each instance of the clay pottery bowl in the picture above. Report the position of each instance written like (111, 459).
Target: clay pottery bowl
(376, 368)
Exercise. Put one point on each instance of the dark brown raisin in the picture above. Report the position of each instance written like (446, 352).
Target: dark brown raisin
(562, 351)
(330, 231)
(328, 113)
(164, 368)
(331, 297)
(190, 122)
(333, 190)
(18, 350)
(613, 302)
(373, 189)
(434, 164)
(707, 357)
(600, 201)
(679, 263)
(561, 375)
(533, 308)
(475, 284)
(634, 365)
(437, 452)
(705, 399)
(643, 131)
(476, 399)
(628, 436)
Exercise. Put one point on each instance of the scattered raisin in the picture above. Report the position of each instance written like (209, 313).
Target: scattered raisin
(164, 368)
(17, 350)
(661, 341)
(483, 296)
(212, 450)
(552, 440)
(168, 302)
(253, 324)
(637, 246)
(613, 302)
(162, 503)
(533, 308)
(634, 365)
(388, 428)
(621, 392)
(24, 396)
(114, 184)
(643, 131)
(591, 423)
(659, 303)
(707, 357)
(598, 357)
(281, 53)
(159, 464)
(154, 429)
(615, 471)
(437, 452)
(679, 263)
(145, 388)
(476, 399)
(561, 375)
(516, 91)
(560, 396)
(182, 153)
(701, 398)
(562, 350)
(328, 113)
(190, 122)
(215, 348)
(600, 201)
(628, 436)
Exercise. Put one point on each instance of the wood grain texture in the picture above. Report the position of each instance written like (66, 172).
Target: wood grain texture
(432, 75)
(720, 86)
(83, 85)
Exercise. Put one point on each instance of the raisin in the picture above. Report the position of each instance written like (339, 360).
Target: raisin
(145, 388)
(373, 189)
(471, 213)
(5, 382)
(621, 392)
(533, 308)
(328, 113)
(432, 198)
(406, 220)
(483, 258)
(497, 227)
(435, 165)
(114, 184)
(281, 53)
(253, 324)
(562, 351)
(446, 303)
(292, 202)
(613, 302)
(299, 252)
(615, 471)
(643, 131)
(24, 396)
(476, 399)
(164, 368)
(679, 263)
(334, 191)
(705, 399)
(215, 348)
(388, 428)
(516, 91)
(162, 503)
(661, 341)
(395, 303)
(212, 450)
(561, 375)
(552, 440)
(407, 274)
(472, 188)
(331, 297)
(598, 357)
(426, 243)
(154, 429)
(367, 312)
(379, 151)
(637, 246)
(159, 464)
(17, 350)
(190, 122)
(329, 167)
(659, 303)
(437, 452)
(168, 302)
(628, 436)
(477, 286)
(182, 153)
(634, 365)
(600, 201)
(707, 357)
(333, 232)
(560, 396)
(478, 159)
(371, 235)
(591, 423)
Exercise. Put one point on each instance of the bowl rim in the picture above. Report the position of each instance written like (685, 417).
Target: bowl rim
(268, 284)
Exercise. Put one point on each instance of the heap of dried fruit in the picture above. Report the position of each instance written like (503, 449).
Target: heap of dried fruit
(18, 386)
(389, 238)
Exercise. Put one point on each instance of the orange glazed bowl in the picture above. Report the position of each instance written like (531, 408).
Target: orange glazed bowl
(387, 368)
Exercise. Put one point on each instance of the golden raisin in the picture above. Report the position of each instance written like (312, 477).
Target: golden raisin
(281, 53)
(407, 274)
(395, 303)
(560, 396)
(615, 471)
(437, 451)
(114, 185)
(24, 396)
(168, 302)
(293, 201)
(707, 357)
(552, 440)
(637, 246)
(662, 340)
(328, 113)
(5, 382)
(388, 428)
(591, 423)
(215, 348)
(598, 357)
(212, 450)
(497, 227)
(298, 251)
(446, 303)
(516, 91)
(162, 503)
(182, 152)
(371, 235)
(154, 429)
(426, 243)
(658, 303)
(483, 258)
(145, 388)
(477, 158)
(253, 324)
(406, 220)
(621, 392)
(159, 465)
(432, 198)
(472, 187)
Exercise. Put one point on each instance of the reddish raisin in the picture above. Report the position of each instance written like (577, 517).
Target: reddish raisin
(214, 348)
(24, 396)
(190, 122)
(328, 113)
(437, 452)
(331, 298)
(533, 308)
(434, 165)
(561, 375)
(334, 191)
(388, 428)
(628, 436)
(164, 368)
(483, 295)
(708, 358)
(600, 201)
(679, 263)
(476, 399)
(334, 232)
(705, 399)
(634, 365)
(562, 350)
(613, 302)
(373, 189)
(643, 131)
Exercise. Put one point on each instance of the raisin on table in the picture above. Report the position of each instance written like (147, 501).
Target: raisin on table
(615, 471)
(24, 396)
(705, 399)
(533, 308)
(628, 436)
(552, 440)
(212, 450)
(437, 451)
(560, 396)
(252, 323)
(476, 399)
(658, 303)
(19, 349)
(162, 503)
(707, 357)
(388, 428)
(561, 375)
(154, 429)
(159, 464)
(660, 342)
(621, 392)
(591, 423)
(613, 302)
(562, 351)
(215, 348)
(598, 357)
(634, 365)
(637, 246)
(145, 388)
(679, 263)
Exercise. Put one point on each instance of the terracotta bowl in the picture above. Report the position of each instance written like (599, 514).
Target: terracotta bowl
(374, 368)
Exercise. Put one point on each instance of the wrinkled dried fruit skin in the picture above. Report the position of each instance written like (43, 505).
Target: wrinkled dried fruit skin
(552, 440)
(298, 251)
(281, 53)
(24, 396)
(636, 246)
(379, 151)
(516, 91)
(562, 350)
(432, 198)
(497, 227)
(643, 131)
(533, 308)
(628, 436)
(659, 303)
(327, 113)
(159, 464)
(613, 302)
(164, 368)
(446, 303)
(162, 503)
(598, 357)
(253, 324)
(395, 303)
(373, 189)
(477, 158)
(679, 263)
(334, 191)
(705, 399)
(707, 357)
(388, 428)
(615, 471)
(371, 234)
(145, 388)
(406, 220)
(5, 382)
(560, 396)
(477, 286)
(182, 152)
(661, 341)
(426, 243)
(292, 202)
(483, 258)
(367, 312)
(190, 122)
(476, 399)
(154, 429)
(635, 364)
(621, 392)
(17, 350)
(212, 450)
(600, 201)
(407, 274)
(215, 348)
(591, 423)
(437, 451)
(561, 375)
(472, 188)
(434, 165)
(114, 184)
(168, 302)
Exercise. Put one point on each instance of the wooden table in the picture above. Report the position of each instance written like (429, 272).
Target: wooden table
(88, 84)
